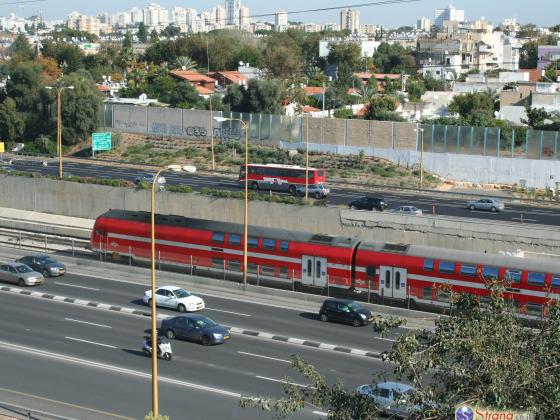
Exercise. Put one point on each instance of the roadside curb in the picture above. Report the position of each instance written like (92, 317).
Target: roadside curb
(236, 330)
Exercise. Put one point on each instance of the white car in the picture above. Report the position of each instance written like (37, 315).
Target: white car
(174, 297)
(410, 210)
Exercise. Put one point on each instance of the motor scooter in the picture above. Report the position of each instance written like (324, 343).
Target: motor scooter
(164, 347)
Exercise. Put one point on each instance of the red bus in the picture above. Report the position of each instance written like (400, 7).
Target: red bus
(281, 177)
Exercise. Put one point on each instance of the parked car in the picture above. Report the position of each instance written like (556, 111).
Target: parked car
(174, 297)
(409, 210)
(44, 264)
(149, 178)
(369, 203)
(20, 274)
(195, 327)
(391, 398)
(346, 311)
(313, 190)
(486, 204)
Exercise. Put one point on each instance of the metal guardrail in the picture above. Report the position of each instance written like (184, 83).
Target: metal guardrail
(21, 239)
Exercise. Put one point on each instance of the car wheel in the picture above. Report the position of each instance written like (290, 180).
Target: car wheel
(356, 323)
(205, 340)
(147, 353)
(181, 308)
(317, 195)
(21, 283)
(493, 209)
(292, 189)
(353, 208)
(324, 317)
(471, 207)
(149, 302)
(167, 356)
(255, 185)
(170, 334)
(45, 273)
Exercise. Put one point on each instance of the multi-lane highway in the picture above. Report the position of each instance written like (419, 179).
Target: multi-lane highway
(78, 361)
(452, 206)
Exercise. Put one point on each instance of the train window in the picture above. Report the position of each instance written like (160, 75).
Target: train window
(217, 263)
(234, 239)
(556, 280)
(534, 309)
(218, 237)
(446, 267)
(485, 301)
(397, 280)
(444, 295)
(514, 276)
(427, 293)
(318, 271)
(387, 279)
(253, 242)
(370, 270)
(490, 272)
(253, 268)
(468, 270)
(536, 279)
(234, 265)
(309, 267)
(269, 244)
(284, 246)
(284, 272)
(428, 265)
(268, 270)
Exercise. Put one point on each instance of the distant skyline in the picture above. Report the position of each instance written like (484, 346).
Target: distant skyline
(544, 12)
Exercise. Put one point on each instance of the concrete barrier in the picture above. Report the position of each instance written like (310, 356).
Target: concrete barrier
(89, 201)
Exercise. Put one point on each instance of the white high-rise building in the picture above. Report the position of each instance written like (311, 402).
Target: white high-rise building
(423, 24)
(155, 16)
(179, 18)
(232, 9)
(220, 16)
(450, 14)
(350, 20)
(136, 15)
(281, 21)
(244, 20)
(193, 21)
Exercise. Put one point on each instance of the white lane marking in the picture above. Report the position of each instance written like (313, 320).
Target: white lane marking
(264, 357)
(386, 339)
(319, 413)
(75, 285)
(524, 219)
(89, 323)
(90, 342)
(113, 368)
(227, 312)
(283, 381)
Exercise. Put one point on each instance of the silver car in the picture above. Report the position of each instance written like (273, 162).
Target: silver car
(410, 210)
(20, 274)
(313, 190)
(486, 204)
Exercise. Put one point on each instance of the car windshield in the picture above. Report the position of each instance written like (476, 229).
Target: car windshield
(46, 260)
(355, 306)
(23, 269)
(181, 293)
(205, 323)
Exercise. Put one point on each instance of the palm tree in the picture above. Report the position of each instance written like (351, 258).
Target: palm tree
(184, 63)
(366, 94)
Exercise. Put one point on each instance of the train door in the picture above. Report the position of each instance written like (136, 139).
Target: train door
(393, 282)
(313, 271)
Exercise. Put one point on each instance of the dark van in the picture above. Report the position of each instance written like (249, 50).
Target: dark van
(346, 311)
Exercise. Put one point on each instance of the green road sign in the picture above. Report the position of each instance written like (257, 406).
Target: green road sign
(101, 141)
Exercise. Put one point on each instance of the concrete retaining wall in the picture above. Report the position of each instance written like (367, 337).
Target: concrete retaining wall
(89, 201)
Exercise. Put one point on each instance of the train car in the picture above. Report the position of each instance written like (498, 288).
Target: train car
(418, 274)
(273, 254)
(427, 275)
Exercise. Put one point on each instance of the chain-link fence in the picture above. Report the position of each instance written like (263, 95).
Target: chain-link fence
(352, 135)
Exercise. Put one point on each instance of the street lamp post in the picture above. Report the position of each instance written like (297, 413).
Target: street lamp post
(246, 217)
(59, 90)
(174, 168)
(421, 156)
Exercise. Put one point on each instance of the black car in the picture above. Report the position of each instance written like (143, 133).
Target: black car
(195, 327)
(44, 264)
(369, 203)
(346, 311)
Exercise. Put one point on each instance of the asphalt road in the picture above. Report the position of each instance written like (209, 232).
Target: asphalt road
(82, 362)
(440, 206)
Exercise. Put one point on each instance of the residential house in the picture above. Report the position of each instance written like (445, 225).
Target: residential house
(226, 78)
(381, 78)
(206, 86)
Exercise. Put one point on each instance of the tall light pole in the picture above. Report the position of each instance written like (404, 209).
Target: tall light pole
(174, 168)
(246, 217)
(306, 158)
(59, 90)
(421, 130)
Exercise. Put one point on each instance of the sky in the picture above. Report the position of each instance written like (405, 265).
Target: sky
(540, 12)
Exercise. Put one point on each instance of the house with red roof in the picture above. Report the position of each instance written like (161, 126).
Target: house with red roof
(205, 85)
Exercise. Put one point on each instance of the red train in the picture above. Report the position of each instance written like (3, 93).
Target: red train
(384, 270)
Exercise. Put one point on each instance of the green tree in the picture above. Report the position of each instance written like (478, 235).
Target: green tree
(127, 40)
(415, 90)
(171, 31)
(154, 36)
(260, 97)
(382, 108)
(346, 56)
(394, 59)
(20, 49)
(12, 124)
(372, 83)
(282, 57)
(551, 72)
(142, 33)
(184, 63)
(535, 116)
(480, 355)
(434, 85)
(184, 95)
(528, 55)
(471, 105)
